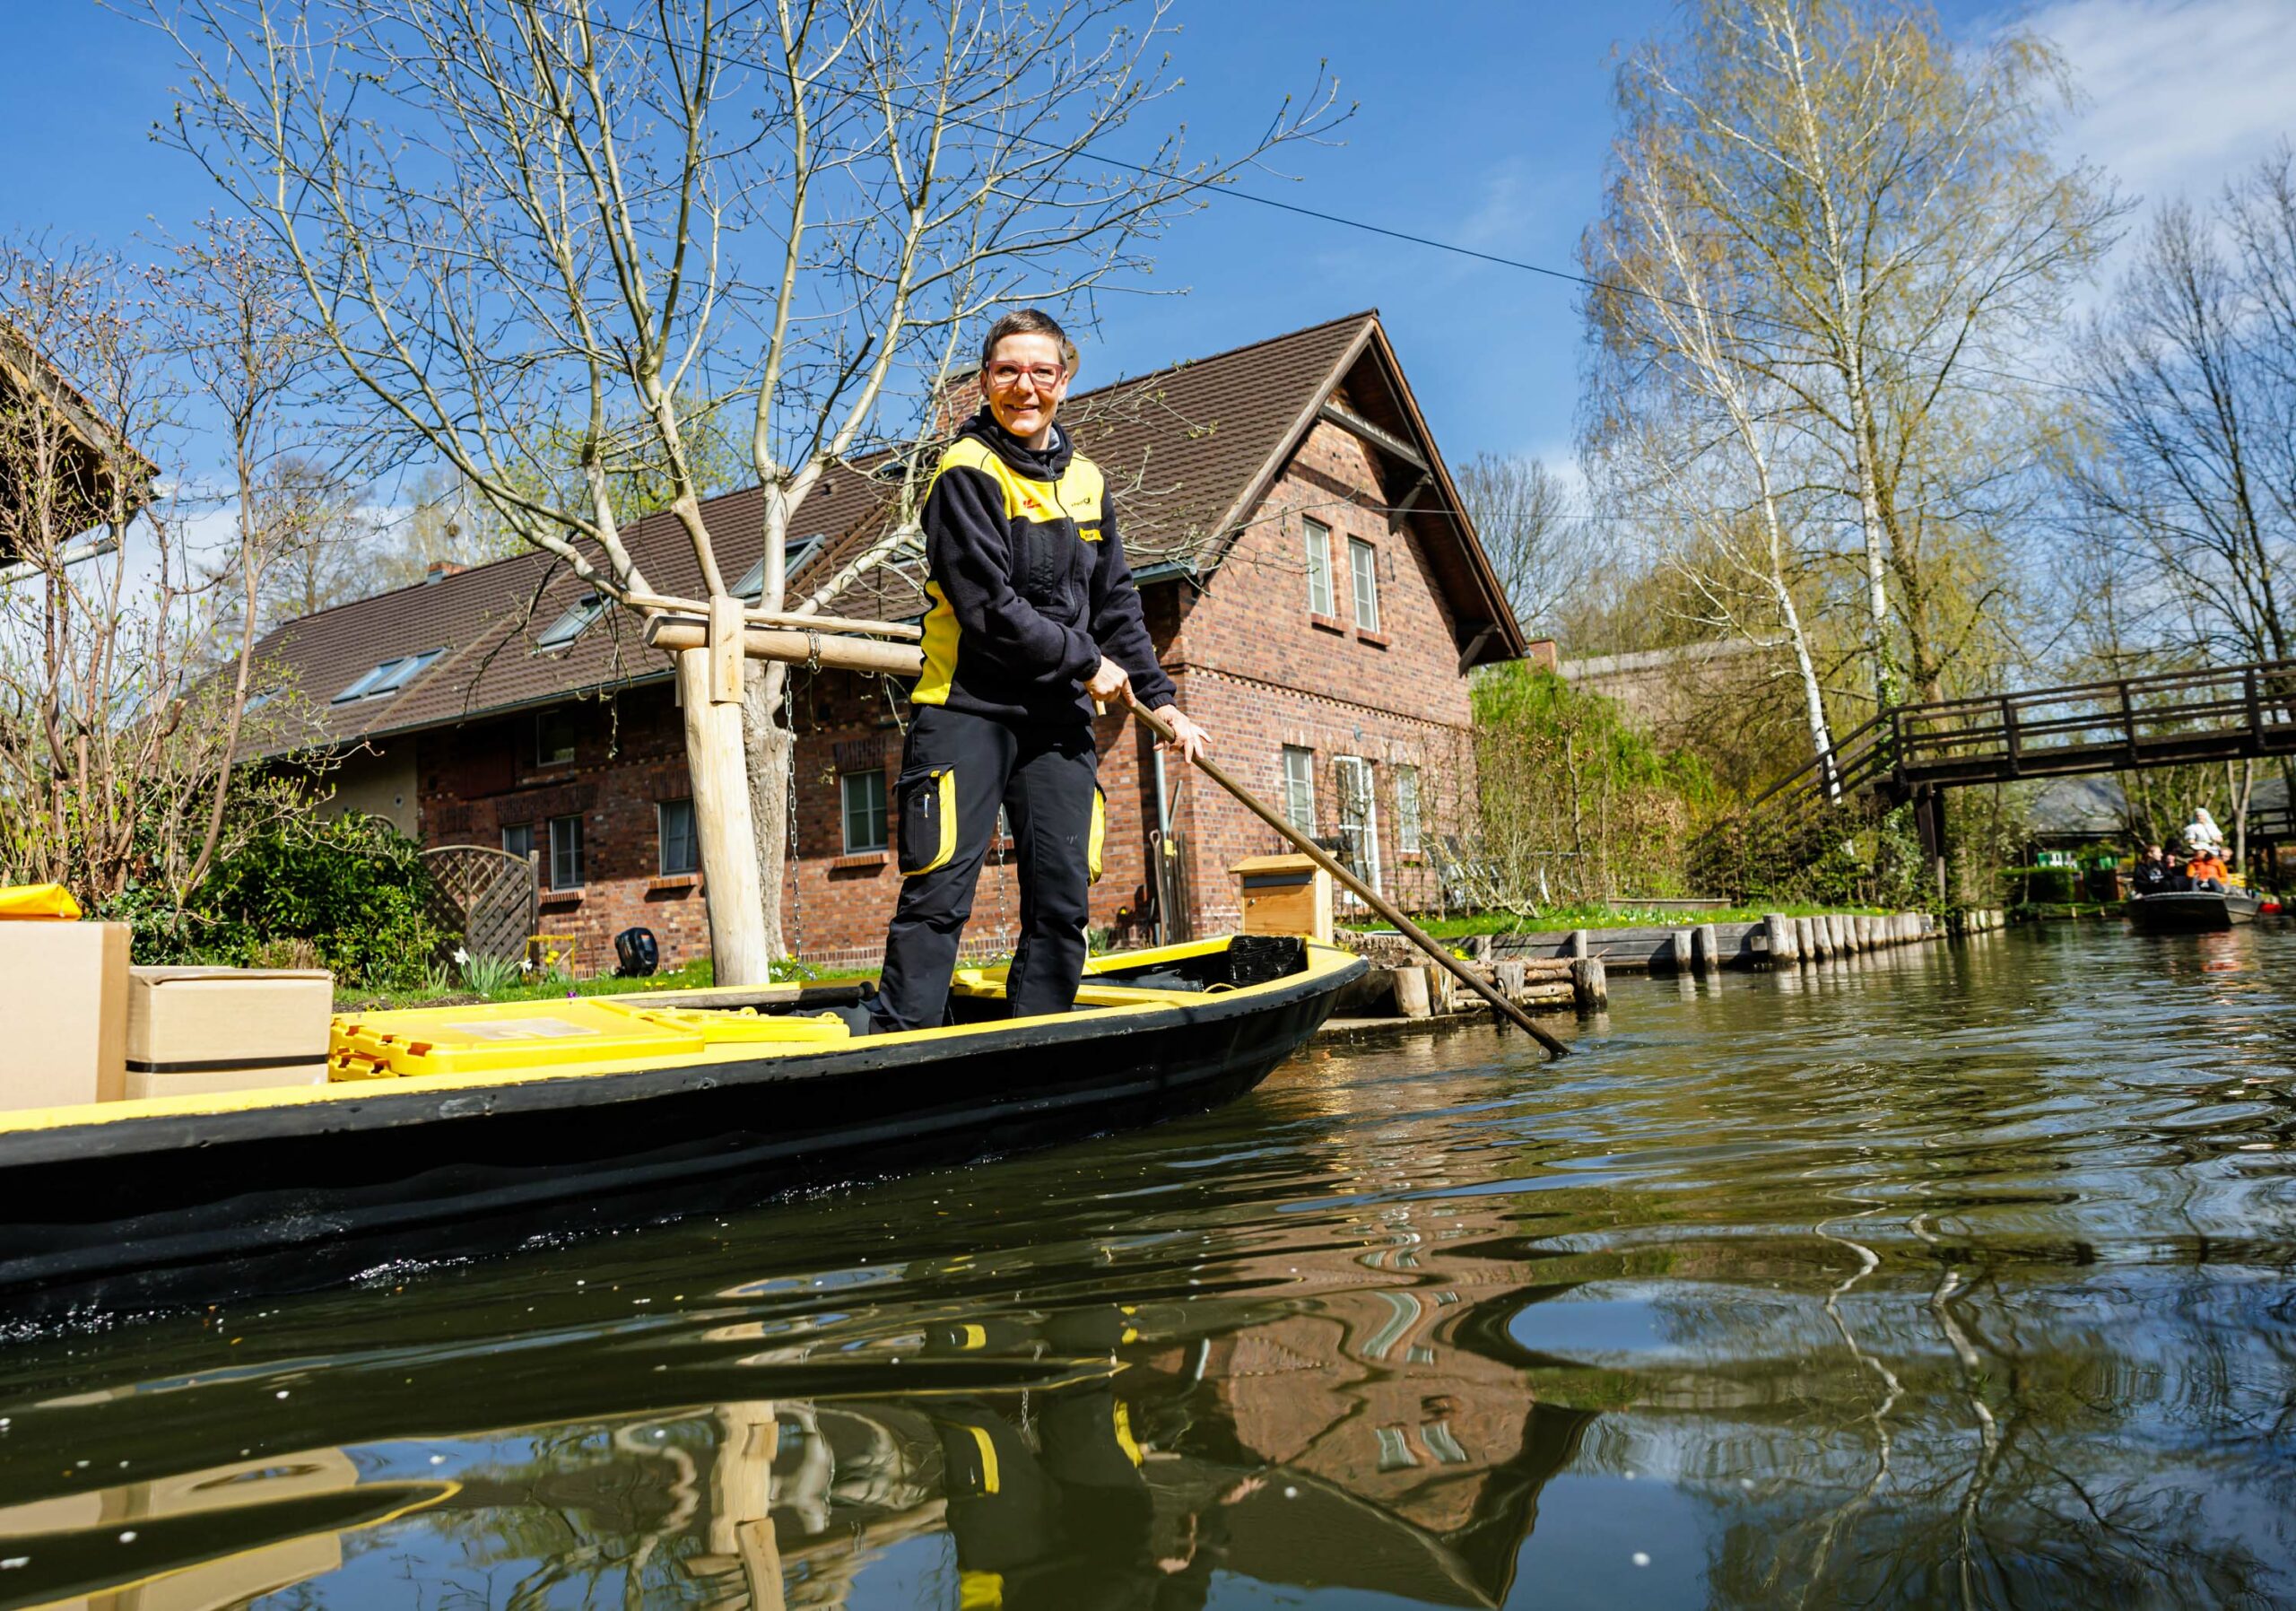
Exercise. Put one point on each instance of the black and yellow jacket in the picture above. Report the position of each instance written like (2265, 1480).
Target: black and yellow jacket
(1027, 583)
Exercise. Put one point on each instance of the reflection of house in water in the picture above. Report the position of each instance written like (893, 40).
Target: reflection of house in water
(1424, 1434)
(1377, 1433)
(201, 1540)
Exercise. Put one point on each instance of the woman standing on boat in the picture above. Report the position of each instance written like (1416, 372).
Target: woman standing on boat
(1032, 615)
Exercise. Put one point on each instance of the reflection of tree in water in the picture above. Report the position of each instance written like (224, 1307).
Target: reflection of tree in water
(1980, 1324)
(1963, 1445)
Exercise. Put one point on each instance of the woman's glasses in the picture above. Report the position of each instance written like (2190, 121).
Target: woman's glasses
(1044, 376)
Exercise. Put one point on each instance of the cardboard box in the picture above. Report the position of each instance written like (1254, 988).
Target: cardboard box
(192, 1031)
(63, 1012)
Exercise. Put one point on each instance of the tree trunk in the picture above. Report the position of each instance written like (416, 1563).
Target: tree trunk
(739, 942)
(772, 752)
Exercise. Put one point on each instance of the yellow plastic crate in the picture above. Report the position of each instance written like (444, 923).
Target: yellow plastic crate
(521, 1037)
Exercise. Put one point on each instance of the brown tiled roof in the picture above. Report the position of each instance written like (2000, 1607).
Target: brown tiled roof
(1187, 451)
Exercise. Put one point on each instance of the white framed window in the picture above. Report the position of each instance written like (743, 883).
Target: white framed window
(1363, 572)
(1320, 600)
(861, 798)
(388, 677)
(554, 735)
(795, 552)
(566, 867)
(519, 839)
(680, 844)
(1407, 810)
(1359, 817)
(574, 623)
(1300, 787)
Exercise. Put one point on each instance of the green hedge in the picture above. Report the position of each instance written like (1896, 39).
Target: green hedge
(349, 894)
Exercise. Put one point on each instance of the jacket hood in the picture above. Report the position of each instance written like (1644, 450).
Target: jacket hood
(1045, 464)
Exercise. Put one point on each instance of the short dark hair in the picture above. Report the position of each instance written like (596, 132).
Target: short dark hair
(1029, 321)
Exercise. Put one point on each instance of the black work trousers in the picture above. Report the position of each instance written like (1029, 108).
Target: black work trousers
(956, 769)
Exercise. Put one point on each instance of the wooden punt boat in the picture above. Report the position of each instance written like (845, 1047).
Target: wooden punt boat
(543, 1118)
(2191, 911)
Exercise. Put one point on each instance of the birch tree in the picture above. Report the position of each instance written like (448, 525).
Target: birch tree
(1899, 237)
(555, 232)
(1683, 421)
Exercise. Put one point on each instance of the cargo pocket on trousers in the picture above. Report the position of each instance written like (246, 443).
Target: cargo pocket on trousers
(1099, 834)
(928, 819)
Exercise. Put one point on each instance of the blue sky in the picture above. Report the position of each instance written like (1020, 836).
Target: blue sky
(1483, 123)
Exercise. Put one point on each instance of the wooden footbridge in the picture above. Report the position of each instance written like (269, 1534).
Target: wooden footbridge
(1912, 754)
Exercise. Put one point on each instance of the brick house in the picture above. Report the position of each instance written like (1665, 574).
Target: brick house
(1308, 582)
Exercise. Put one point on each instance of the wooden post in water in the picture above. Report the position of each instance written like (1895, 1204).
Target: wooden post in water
(1677, 952)
(1590, 985)
(1442, 991)
(1785, 944)
(1576, 945)
(1705, 949)
(1811, 935)
(1511, 978)
(1411, 991)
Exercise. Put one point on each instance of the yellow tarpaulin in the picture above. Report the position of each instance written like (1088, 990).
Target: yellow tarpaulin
(38, 901)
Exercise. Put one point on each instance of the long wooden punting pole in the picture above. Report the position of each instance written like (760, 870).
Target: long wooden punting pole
(1369, 897)
(905, 660)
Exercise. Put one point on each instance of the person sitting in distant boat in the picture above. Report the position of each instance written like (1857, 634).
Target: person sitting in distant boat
(2151, 874)
(2207, 870)
(2203, 834)
(2174, 863)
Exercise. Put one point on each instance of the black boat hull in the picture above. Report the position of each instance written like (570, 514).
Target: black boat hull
(198, 1206)
(2191, 911)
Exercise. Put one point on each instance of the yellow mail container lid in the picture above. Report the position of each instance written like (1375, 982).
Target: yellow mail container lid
(521, 1037)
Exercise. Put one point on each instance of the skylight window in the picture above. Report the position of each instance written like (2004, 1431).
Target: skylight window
(388, 677)
(572, 624)
(795, 552)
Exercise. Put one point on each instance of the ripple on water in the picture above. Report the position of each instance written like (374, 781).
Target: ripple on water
(1955, 1275)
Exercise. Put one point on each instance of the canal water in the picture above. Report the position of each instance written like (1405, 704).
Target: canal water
(1958, 1274)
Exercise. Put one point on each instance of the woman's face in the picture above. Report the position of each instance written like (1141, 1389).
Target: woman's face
(1025, 379)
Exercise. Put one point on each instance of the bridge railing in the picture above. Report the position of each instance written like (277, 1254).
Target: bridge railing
(2130, 721)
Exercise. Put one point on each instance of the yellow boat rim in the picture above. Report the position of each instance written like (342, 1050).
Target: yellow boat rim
(495, 1045)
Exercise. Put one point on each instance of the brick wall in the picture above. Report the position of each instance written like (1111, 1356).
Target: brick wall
(1263, 672)
(479, 779)
(628, 756)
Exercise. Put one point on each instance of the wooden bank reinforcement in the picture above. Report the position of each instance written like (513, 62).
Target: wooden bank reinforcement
(1567, 970)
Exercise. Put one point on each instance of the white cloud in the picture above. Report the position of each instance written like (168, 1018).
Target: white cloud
(2179, 96)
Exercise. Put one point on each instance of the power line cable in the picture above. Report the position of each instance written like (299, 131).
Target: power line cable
(1213, 187)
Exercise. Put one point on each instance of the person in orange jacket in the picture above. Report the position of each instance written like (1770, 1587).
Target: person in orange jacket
(2207, 867)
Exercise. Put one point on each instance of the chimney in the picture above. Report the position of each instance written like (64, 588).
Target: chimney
(1540, 652)
(957, 400)
(440, 569)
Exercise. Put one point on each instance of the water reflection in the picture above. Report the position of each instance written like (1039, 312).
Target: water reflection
(1953, 1276)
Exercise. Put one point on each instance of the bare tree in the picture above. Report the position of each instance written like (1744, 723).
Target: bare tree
(2193, 482)
(521, 230)
(115, 747)
(1521, 511)
(1885, 210)
(1684, 422)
